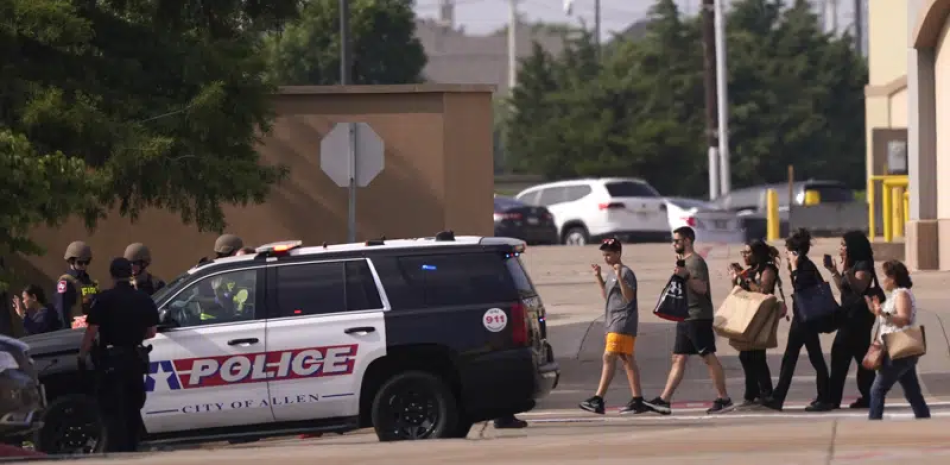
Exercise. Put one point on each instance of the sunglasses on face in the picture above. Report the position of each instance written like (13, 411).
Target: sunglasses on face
(83, 262)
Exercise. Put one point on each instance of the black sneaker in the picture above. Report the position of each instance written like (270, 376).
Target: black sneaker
(818, 406)
(510, 422)
(635, 406)
(861, 403)
(594, 404)
(659, 405)
(721, 406)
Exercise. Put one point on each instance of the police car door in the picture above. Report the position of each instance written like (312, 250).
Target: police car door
(211, 370)
(326, 322)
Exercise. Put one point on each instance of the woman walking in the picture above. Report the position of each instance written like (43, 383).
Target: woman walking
(898, 314)
(760, 275)
(805, 275)
(855, 280)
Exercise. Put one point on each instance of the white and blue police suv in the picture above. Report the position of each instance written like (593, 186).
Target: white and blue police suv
(418, 338)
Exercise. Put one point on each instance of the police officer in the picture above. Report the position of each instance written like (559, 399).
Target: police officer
(75, 290)
(223, 299)
(121, 317)
(140, 257)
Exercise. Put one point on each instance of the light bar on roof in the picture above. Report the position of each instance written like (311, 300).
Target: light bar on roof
(280, 247)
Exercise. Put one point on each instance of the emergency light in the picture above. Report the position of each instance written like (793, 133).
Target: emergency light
(278, 248)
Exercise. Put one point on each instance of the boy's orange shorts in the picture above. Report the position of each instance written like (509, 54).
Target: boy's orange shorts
(620, 343)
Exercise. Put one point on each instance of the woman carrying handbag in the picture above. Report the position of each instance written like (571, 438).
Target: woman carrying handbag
(899, 344)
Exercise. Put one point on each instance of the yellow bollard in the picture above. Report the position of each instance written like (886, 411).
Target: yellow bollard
(772, 221)
(872, 221)
(906, 206)
(812, 197)
(897, 203)
(887, 213)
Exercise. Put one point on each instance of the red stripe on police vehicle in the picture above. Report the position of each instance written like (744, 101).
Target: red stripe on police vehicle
(193, 373)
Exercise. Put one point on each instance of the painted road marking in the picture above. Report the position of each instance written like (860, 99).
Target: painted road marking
(727, 416)
(696, 407)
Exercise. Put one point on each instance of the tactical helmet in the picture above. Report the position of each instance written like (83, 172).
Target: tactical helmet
(137, 252)
(228, 244)
(78, 250)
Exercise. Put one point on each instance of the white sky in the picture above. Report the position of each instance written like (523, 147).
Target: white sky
(485, 16)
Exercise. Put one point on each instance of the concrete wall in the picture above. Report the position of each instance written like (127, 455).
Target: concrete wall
(438, 175)
(886, 92)
(928, 148)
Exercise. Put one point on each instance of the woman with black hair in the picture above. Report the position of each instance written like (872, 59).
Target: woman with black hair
(761, 275)
(805, 275)
(32, 307)
(855, 280)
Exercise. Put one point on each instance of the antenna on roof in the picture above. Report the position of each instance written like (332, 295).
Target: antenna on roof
(447, 235)
(324, 245)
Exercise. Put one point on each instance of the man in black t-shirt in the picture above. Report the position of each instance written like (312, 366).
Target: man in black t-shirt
(122, 318)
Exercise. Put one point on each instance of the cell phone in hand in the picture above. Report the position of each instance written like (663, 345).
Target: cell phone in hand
(827, 259)
(681, 263)
(736, 266)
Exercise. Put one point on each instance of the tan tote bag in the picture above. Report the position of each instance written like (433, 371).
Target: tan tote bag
(744, 314)
(909, 342)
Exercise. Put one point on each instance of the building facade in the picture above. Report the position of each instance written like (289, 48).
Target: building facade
(928, 116)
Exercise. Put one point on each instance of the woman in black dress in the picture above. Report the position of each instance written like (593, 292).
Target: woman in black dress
(855, 280)
(804, 275)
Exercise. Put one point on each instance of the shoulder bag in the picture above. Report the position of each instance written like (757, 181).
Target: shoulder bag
(816, 303)
(875, 354)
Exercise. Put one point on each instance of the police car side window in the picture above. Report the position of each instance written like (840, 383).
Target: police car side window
(311, 289)
(459, 279)
(361, 290)
(223, 298)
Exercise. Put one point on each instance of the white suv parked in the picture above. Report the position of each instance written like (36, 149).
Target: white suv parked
(587, 210)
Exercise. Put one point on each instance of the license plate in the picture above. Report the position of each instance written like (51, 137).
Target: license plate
(532, 220)
(720, 224)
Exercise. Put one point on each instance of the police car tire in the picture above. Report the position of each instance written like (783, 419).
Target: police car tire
(59, 411)
(431, 385)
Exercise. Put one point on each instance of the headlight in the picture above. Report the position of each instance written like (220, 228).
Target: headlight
(8, 362)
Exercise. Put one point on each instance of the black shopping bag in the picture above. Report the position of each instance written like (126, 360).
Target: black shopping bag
(673, 305)
(816, 306)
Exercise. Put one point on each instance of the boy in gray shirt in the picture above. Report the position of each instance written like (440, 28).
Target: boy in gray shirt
(620, 320)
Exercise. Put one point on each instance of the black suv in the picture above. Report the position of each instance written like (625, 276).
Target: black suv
(418, 338)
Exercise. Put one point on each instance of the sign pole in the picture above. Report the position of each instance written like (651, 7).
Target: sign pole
(351, 128)
(351, 216)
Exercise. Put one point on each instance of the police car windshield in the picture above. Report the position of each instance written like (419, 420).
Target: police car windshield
(160, 294)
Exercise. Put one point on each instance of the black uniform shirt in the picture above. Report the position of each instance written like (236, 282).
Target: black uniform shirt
(123, 314)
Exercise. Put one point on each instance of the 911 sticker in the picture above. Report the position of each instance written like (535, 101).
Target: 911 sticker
(61, 287)
(195, 373)
(495, 320)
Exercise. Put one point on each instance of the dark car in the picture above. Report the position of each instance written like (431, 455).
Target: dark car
(21, 396)
(534, 225)
(417, 338)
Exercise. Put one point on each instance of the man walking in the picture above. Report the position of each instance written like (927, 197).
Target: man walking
(694, 335)
(620, 320)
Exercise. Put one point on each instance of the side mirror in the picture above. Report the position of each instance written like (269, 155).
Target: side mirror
(166, 320)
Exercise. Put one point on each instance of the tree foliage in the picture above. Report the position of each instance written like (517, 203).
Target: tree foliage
(132, 103)
(385, 49)
(795, 96)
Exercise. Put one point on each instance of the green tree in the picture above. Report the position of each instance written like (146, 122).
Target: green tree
(796, 96)
(132, 104)
(385, 49)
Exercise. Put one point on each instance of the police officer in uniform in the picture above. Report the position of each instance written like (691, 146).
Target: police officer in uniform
(75, 290)
(122, 318)
(140, 257)
(223, 300)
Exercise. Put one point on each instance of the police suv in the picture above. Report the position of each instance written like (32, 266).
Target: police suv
(418, 338)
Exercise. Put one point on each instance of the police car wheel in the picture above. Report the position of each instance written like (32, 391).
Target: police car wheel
(71, 425)
(414, 405)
